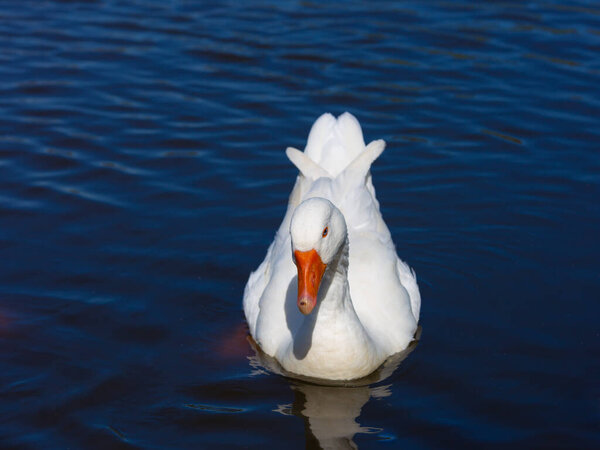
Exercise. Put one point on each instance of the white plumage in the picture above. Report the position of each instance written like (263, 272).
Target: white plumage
(368, 302)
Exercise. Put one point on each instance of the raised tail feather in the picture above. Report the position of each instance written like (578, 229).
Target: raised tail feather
(335, 146)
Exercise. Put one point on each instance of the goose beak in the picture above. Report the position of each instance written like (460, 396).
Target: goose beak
(310, 271)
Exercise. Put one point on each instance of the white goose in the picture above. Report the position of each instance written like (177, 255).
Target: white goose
(332, 300)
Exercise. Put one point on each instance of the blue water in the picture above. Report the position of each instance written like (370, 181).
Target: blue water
(143, 175)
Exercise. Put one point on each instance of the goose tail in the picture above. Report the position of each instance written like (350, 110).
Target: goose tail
(335, 146)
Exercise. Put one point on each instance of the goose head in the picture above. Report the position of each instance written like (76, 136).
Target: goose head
(318, 232)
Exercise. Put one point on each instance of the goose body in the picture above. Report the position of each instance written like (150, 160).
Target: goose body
(331, 299)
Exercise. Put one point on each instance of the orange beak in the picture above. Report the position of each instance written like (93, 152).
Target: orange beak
(310, 272)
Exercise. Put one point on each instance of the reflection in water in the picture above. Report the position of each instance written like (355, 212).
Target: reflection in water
(330, 412)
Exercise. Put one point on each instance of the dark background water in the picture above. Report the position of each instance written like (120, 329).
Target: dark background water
(143, 175)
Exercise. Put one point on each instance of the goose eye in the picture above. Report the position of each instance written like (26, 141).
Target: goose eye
(325, 231)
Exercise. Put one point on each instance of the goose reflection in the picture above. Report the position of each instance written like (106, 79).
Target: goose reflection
(331, 412)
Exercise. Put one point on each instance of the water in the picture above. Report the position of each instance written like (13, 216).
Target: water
(143, 175)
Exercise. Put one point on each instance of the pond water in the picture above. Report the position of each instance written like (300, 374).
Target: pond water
(143, 176)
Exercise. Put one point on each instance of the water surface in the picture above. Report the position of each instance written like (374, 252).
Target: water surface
(143, 176)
